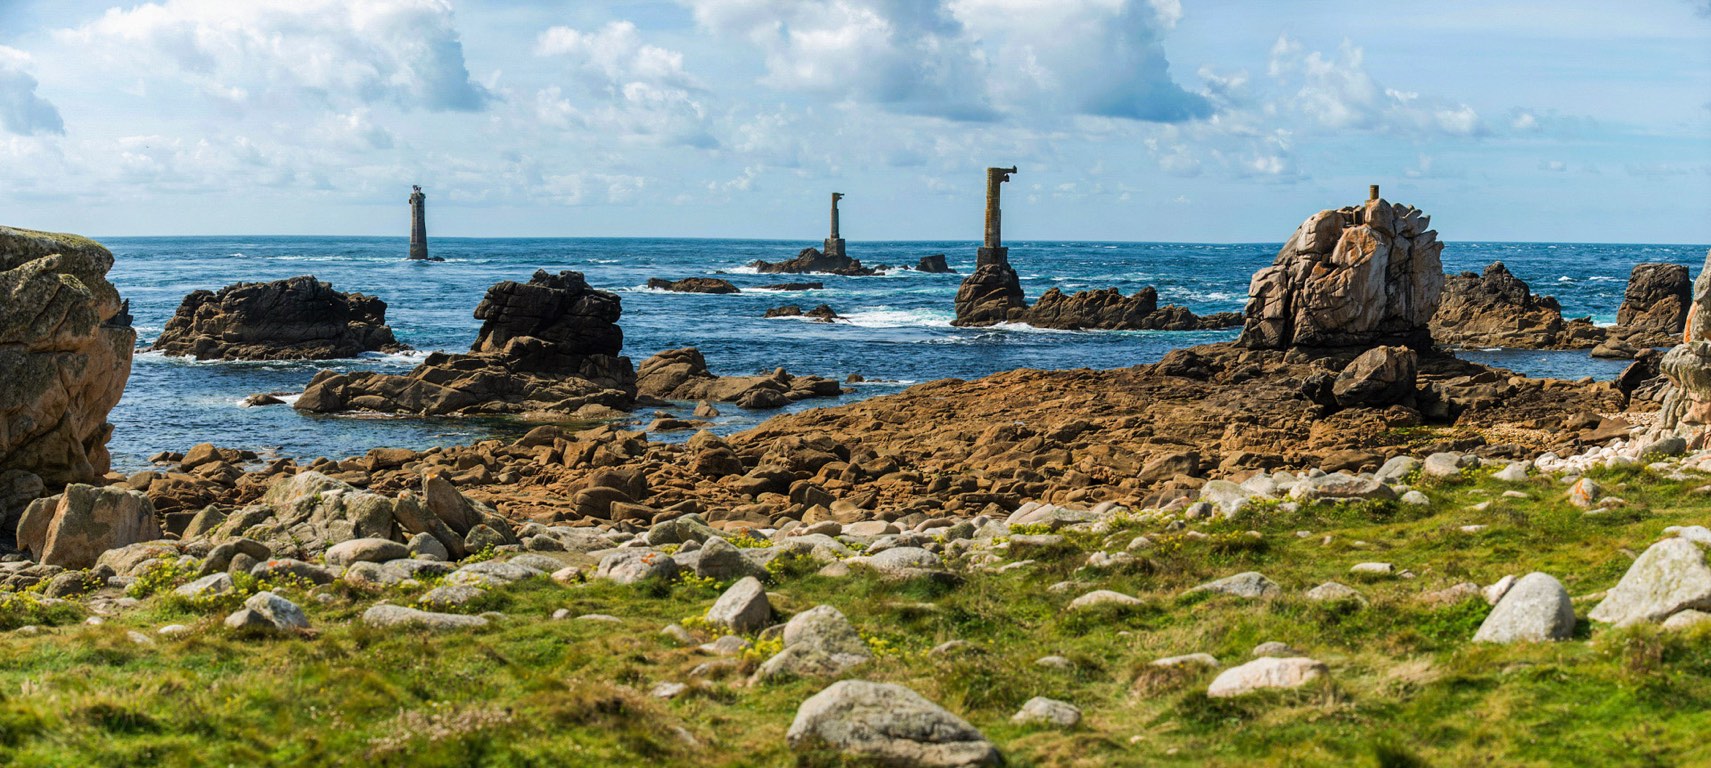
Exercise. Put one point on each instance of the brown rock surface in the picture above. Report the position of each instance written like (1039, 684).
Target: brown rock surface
(1110, 310)
(1498, 309)
(1687, 401)
(992, 295)
(65, 354)
(682, 374)
(300, 318)
(693, 285)
(1349, 278)
(1654, 307)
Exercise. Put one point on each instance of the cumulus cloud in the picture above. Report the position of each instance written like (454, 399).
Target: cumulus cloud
(21, 110)
(628, 87)
(1337, 92)
(1091, 57)
(405, 52)
(972, 60)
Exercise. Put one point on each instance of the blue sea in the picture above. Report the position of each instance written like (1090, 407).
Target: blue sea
(898, 330)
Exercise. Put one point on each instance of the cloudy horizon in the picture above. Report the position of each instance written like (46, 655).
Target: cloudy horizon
(1135, 120)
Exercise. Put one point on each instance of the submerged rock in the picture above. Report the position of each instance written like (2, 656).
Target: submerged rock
(300, 318)
(65, 354)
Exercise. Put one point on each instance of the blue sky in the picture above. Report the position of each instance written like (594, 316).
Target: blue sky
(1130, 119)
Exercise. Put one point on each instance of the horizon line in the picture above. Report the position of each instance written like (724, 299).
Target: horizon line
(976, 243)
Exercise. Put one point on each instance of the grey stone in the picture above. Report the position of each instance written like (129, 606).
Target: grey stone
(1516, 472)
(1101, 597)
(1397, 469)
(818, 642)
(207, 586)
(636, 566)
(396, 616)
(888, 725)
(1535, 610)
(492, 573)
(1248, 585)
(366, 550)
(1188, 660)
(1444, 465)
(424, 546)
(278, 613)
(286, 569)
(1264, 673)
(1670, 576)
(721, 560)
(1340, 485)
(451, 596)
(1332, 592)
(904, 563)
(743, 608)
(1043, 711)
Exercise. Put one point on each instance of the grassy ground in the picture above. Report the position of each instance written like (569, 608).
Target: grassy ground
(1406, 687)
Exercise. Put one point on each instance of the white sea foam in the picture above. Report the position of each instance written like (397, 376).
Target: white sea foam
(409, 356)
(886, 317)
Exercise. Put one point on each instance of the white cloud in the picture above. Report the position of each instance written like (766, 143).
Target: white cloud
(21, 110)
(405, 52)
(632, 89)
(1337, 93)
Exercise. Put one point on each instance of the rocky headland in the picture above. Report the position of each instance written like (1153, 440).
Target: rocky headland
(1498, 309)
(300, 318)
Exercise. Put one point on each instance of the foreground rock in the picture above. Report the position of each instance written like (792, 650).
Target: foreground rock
(1354, 277)
(65, 354)
(886, 724)
(682, 374)
(1265, 673)
(1535, 609)
(1671, 576)
(300, 318)
(399, 617)
(818, 642)
(73, 529)
(693, 285)
(1497, 309)
(811, 260)
(547, 346)
(1654, 307)
(1687, 402)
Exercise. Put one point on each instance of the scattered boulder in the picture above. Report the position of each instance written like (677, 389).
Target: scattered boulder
(636, 566)
(1043, 711)
(693, 285)
(366, 550)
(743, 608)
(65, 353)
(1250, 585)
(934, 265)
(1535, 610)
(269, 612)
(1669, 577)
(1265, 673)
(888, 724)
(399, 617)
(1355, 277)
(682, 374)
(299, 318)
(818, 642)
(1379, 377)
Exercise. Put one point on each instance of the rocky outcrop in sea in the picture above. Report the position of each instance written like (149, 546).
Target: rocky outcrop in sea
(811, 260)
(550, 345)
(682, 374)
(300, 318)
(1357, 276)
(65, 354)
(692, 285)
(993, 295)
(1498, 309)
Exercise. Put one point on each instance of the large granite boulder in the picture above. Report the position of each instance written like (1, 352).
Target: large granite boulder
(547, 346)
(1498, 309)
(300, 318)
(812, 260)
(1110, 310)
(682, 374)
(1379, 377)
(992, 295)
(1687, 402)
(65, 354)
(72, 530)
(883, 724)
(1654, 308)
(1354, 277)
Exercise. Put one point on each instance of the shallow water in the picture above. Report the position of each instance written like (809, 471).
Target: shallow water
(898, 332)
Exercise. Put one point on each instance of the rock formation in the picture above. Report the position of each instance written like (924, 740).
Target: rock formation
(992, 295)
(296, 319)
(934, 265)
(65, 354)
(682, 374)
(1497, 309)
(692, 285)
(74, 528)
(1354, 277)
(1654, 308)
(1110, 310)
(791, 287)
(811, 260)
(1687, 403)
(550, 345)
(820, 314)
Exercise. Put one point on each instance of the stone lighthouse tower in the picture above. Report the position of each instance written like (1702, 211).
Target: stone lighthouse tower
(418, 225)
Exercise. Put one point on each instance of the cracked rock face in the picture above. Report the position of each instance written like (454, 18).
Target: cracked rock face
(1353, 277)
(300, 318)
(65, 354)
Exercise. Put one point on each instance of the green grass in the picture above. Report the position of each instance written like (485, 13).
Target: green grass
(1406, 688)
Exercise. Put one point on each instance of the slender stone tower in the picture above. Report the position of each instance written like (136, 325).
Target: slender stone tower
(835, 243)
(994, 252)
(418, 225)
(993, 294)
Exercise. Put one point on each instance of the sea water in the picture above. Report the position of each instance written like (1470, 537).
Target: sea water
(898, 329)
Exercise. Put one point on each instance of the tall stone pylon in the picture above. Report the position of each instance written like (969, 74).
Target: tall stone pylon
(993, 250)
(418, 225)
(835, 243)
(993, 294)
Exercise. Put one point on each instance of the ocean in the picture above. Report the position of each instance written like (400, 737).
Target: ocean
(898, 331)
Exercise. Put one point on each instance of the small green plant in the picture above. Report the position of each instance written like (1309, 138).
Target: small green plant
(163, 575)
(482, 555)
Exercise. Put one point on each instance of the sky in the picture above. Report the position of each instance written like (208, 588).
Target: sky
(1129, 120)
